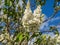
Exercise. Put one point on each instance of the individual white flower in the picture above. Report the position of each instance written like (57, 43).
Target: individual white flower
(1, 37)
(30, 21)
(58, 39)
(4, 41)
(36, 20)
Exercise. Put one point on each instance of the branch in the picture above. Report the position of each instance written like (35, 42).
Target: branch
(7, 24)
(46, 31)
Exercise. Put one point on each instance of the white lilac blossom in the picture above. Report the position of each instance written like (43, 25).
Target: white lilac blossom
(1, 37)
(27, 15)
(32, 21)
(37, 11)
(4, 36)
(38, 16)
(58, 39)
(4, 41)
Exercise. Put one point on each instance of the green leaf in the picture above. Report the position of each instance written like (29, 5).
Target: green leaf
(7, 2)
(17, 1)
(27, 36)
(0, 1)
(38, 41)
(35, 35)
(1, 27)
(24, 1)
(0, 19)
(5, 11)
(54, 29)
(19, 37)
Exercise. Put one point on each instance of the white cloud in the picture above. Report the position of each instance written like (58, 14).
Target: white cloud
(53, 19)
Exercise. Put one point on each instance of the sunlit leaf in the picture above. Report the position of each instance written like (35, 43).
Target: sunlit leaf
(19, 37)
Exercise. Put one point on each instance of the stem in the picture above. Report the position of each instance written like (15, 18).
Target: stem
(7, 24)
(18, 22)
(46, 31)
